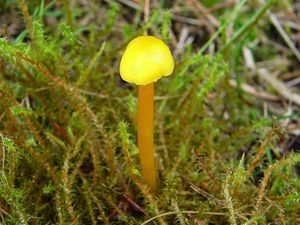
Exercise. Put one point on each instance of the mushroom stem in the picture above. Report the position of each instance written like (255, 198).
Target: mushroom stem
(145, 135)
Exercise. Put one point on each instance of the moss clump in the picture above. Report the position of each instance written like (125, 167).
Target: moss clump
(67, 124)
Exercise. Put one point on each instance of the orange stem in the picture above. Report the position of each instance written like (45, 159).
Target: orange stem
(145, 135)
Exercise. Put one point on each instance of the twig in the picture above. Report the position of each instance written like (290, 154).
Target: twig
(202, 192)
(291, 24)
(293, 82)
(184, 33)
(130, 4)
(169, 213)
(176, 17)
(249, 59)
(188, 20)
(273, 63)
(284, 35)
(251, 90)
(146, 10)
(279, 86)
(135, 205)
(213, 20)
(4, 212)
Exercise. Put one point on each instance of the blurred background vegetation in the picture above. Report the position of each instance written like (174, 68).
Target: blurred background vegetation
(226, 122)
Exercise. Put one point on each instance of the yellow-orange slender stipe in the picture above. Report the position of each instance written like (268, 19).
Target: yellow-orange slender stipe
(145, 135)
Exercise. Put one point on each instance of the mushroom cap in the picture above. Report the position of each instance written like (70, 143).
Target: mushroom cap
(145, 60)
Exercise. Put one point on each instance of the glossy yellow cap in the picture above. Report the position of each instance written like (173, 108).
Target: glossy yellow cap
(145, 60)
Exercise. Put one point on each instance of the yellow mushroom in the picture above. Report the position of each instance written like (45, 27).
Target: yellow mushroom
(145, 60)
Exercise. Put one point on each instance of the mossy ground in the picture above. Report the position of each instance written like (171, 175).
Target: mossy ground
(226, 136)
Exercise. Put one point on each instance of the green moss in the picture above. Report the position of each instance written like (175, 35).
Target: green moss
(68, 124)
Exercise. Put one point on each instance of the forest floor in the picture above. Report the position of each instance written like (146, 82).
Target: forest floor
(227, 128)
